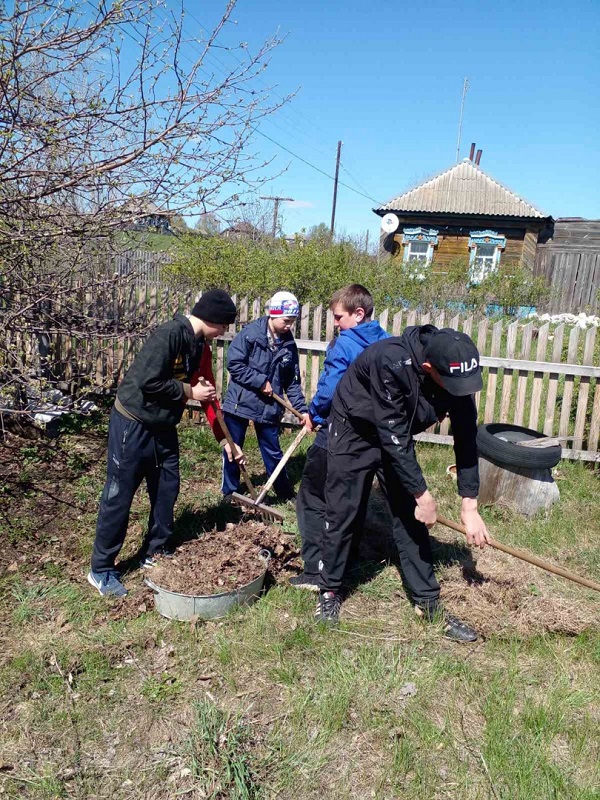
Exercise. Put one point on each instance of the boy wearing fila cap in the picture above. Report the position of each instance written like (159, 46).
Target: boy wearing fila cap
(399, 387)
(262, 359)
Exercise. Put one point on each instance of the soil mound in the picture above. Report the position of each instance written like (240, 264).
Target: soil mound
(220, 561)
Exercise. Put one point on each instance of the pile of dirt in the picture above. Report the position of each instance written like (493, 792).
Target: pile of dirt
(220, 561)
(505, 596)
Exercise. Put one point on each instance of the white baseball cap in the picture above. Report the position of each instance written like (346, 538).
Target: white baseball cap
(284, 304)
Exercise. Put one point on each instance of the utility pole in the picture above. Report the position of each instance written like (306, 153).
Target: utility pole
(276, 201)
(460, 121)
(335, 186)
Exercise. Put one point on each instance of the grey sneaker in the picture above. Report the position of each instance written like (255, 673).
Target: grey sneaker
(304, 581)
(150, 561)
(107, 583)
(328, 608)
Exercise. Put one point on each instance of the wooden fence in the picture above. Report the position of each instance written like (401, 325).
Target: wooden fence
(542, 376)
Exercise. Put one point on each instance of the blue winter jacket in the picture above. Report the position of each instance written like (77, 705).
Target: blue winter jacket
(251, 363)
(340, 354)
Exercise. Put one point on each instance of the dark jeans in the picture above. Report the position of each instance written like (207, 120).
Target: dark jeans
(354, 458)
(310, 508)
(270, 450)
(136, 452)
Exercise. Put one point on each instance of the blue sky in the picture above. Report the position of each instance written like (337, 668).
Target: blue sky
(387, 80)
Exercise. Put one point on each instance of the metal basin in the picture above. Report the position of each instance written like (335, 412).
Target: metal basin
(175, 605)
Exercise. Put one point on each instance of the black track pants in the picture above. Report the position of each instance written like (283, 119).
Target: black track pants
(136, 452)
(310, 508)
(354, 458)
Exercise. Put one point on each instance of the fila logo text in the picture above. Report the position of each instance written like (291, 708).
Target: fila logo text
(463, 366)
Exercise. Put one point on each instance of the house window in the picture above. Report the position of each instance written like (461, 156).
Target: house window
(417, 251)
(418, 244)
(486, 248)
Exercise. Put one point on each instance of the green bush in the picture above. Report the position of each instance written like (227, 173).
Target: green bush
(314, 268)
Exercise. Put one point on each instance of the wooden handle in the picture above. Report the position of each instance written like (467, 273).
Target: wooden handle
(538, 562)
(289, 406)
(279, 468)
(233, 447)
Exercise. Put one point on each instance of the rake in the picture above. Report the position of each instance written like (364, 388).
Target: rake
(537, 562)
(255, 502)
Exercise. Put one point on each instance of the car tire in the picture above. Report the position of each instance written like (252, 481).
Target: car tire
(497, 441)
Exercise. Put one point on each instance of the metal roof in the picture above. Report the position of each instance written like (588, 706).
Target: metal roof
(462, 189)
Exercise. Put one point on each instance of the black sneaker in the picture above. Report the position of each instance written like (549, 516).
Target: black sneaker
(303, 581)
(328, 608)
(452, 627)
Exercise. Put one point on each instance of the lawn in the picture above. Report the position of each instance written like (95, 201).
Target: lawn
(109, 700)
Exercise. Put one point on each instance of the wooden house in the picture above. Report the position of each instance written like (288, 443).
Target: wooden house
(462, 213)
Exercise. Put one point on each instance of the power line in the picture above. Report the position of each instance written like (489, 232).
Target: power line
(313, 166)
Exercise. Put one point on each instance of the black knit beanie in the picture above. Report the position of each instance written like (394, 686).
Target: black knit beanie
(215, 306)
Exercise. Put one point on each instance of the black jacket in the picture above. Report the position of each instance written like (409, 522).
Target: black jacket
(386, 394)
(153, 390)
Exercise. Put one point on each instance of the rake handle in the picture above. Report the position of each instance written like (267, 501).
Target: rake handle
(288, 406)
(537, 562)
(233, 447)
(281, 466)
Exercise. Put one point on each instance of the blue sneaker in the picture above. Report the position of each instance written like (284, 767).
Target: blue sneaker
(107, 583)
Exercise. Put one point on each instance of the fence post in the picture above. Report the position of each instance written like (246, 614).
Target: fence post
(304, 322)
(314, 367)
(481, 345)
(584, 389)
(492, 382)
(565, 411)
(538, 377)
(507, 377)
(523, 375)
(553, 379)
(383, 318)
(397, 324)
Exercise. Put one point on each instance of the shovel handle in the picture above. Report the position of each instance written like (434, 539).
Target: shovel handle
(281, 466)
(233, 447)
(288, 406)
(537, 562)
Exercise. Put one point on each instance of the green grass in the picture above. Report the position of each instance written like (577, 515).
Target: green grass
(105, 699)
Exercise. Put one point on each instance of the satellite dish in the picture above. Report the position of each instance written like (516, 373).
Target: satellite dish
(390, 223)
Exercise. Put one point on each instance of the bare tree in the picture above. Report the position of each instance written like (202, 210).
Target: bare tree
(104, 108)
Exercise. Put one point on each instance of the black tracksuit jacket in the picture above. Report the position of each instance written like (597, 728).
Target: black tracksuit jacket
(387, 396)
(154, 387)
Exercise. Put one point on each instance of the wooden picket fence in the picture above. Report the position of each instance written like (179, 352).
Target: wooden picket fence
(542, 376)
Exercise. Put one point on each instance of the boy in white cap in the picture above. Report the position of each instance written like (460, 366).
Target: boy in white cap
(262, 359)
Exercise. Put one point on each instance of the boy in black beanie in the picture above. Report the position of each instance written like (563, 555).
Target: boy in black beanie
(173, 366)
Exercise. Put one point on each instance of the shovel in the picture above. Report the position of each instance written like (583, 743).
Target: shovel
(537, 562)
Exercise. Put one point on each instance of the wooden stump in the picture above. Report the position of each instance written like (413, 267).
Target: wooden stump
(526, 491)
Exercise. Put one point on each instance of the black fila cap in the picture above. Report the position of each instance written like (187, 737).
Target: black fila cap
(456, 358)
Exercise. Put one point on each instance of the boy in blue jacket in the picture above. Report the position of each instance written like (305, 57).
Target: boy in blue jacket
(262, 359)
(352, 309)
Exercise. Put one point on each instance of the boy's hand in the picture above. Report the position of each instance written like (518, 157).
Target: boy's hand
(240, 458)
(426, 510)
(267, 389)
(308, 423)
(204, 391)
(477, 533)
